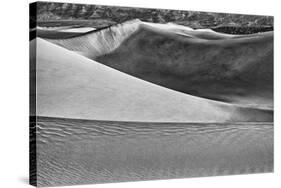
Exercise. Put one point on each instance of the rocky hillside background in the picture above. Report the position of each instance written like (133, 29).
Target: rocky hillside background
(102, 16)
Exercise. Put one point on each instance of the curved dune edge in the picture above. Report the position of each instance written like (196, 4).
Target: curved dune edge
(72, 86)
(232, 68)
(67, 29)
(235, 70)
(100, 42)
(61, 32)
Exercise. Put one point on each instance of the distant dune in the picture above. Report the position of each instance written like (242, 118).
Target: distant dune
(61, 32)
(103, 41)
(67, 29)
(232, 68)
(72, 86)
(99, 42)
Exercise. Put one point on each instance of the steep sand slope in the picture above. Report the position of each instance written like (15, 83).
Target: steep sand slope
(72, 86)
(104, 41)
(238, 70)
(99, 42)
(230, 68)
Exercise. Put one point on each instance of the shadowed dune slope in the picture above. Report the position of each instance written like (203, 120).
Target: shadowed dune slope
(230, 68)
(104, 41)
(99, 42)
(72, 86)
(61, 32)
(238, 70)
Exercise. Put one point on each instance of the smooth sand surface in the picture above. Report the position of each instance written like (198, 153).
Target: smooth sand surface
(67, 29)
(72, 86)
(104, 41)
(61, 32)
(238, 70)
(231, 68)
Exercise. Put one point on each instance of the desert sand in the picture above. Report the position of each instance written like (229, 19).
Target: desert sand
(139, 101)
(67, 29)
(72, 86)
(236, 69)
(166, 95)
(61, 32)
(88, 151)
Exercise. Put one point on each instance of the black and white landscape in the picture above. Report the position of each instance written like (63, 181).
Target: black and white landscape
(128, 94)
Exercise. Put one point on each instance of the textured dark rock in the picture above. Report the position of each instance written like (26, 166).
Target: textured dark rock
(101, 16)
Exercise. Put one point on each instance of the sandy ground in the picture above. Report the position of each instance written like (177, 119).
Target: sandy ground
(84, 152)
(232, 68)
(61, 32)
(72, 86)
(140, 101)
(67, 29)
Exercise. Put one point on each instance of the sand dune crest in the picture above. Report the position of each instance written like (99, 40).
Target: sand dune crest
(72, 86)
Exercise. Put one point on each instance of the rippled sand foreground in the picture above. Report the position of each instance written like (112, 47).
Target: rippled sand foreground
(84, 151)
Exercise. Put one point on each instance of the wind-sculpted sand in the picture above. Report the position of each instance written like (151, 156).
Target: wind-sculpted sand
(67, 29)
(99, 42)
(104, 41)
(140, 101)
(83, 151)
(72, 86)
(61, 32)
(231, 68)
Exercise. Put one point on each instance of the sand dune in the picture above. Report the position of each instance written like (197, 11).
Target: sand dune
(104, 41)
(67, 29)
(72, 86)
(172, 28)
(78, 30)
(230, 68)
(86, 151)
(238, 70)
(53, 28)
(99, 42)
(61, 32)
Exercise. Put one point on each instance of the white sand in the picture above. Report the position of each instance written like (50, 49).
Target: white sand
(67, 29)
(78, 30)
(72, 86)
